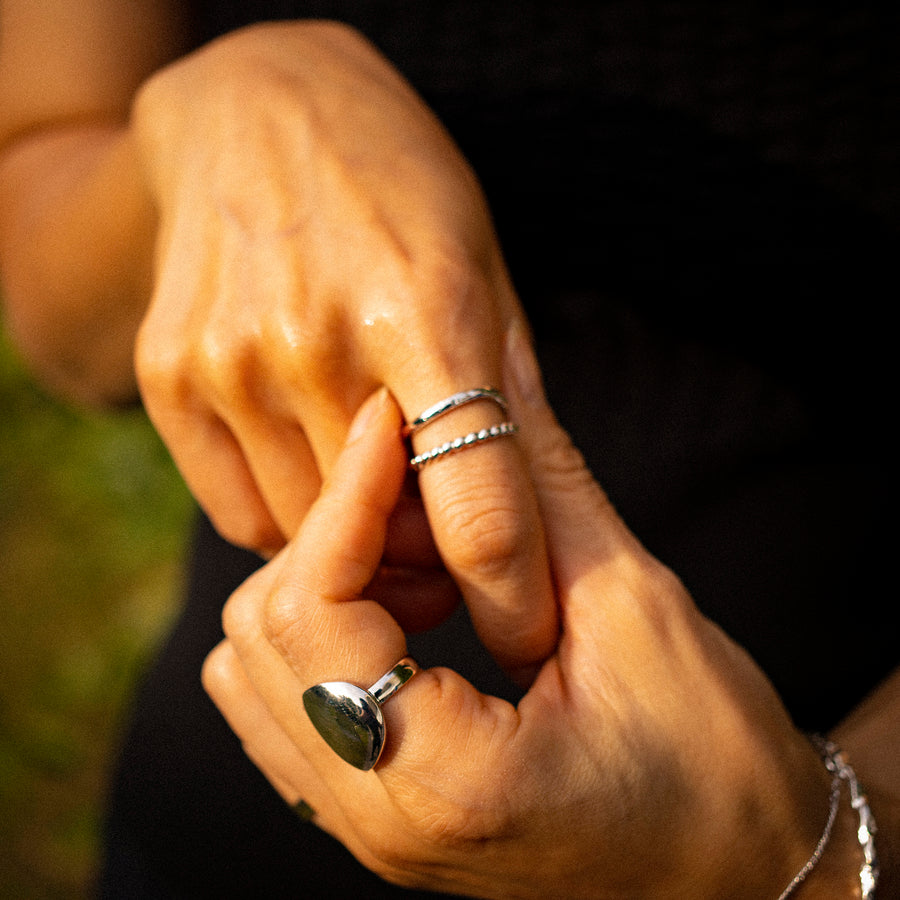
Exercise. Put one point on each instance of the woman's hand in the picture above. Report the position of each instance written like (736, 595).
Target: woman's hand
(650, 758)
(321, 235)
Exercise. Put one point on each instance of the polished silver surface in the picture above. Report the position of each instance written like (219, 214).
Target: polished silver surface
(454, 401)
(350, 719)
(461, 443)
(394, 680)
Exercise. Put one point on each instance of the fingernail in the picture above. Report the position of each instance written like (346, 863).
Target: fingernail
(521, 366)
(366, 415)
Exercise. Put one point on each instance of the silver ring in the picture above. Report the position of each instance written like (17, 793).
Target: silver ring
(350, 718)
(303, 810)
(452, 402)
(461, 443)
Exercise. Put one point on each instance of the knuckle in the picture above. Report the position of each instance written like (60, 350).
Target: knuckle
(450, 274)
(456, 296)
(315, 362)
(482, 535)
(561, 461)
(441, 291)
(284, 622)
(217, 360)
(565, 476)
(215, 673)
(238, 614)
(222, 361)
(658, 593)
(158, 362)
(279, 618)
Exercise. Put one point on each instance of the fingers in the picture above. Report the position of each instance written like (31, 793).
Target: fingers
(305, 619)
(254, 429)
(580, 522)
(283, 465)
(252, 471)
(455, 763)
(254, 488)
(265, 742)
(249, 718)
(284, 319)
(350, 520)
(486, 523)
(241, 441)
(613, 592)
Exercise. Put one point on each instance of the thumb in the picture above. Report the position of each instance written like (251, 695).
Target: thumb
(582, 527)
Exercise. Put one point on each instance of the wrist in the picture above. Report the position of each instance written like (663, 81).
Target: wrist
(795, 835)
(76, 246)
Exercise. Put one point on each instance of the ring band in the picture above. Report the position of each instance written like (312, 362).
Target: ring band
(303, 811)
(392, 681)
(350, 718)
(453, 402)
(461, 443)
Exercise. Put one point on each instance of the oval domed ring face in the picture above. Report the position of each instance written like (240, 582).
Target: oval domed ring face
(350, 719)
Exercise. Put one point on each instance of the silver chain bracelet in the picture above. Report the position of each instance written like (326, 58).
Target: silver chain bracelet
(842, 771)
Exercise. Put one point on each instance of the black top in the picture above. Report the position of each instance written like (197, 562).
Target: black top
(700, 208)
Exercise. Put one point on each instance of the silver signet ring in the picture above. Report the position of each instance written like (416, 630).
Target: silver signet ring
(350, 719)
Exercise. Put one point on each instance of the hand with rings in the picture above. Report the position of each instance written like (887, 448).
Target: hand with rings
(254, 307)
(630, 768)
(255, 235)
(284, 298)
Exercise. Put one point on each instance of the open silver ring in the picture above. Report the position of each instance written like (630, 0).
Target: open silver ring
(350, 718)
(453, 402)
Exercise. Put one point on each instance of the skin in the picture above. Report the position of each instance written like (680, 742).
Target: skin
(256, 237)
(649, 747)
(262, 310)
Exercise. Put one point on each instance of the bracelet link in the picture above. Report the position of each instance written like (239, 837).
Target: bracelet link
(836, 763)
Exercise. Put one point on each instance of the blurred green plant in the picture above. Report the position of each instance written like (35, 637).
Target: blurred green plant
(93, 521)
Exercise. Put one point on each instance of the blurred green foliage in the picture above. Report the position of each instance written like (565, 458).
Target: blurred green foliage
(93, 520)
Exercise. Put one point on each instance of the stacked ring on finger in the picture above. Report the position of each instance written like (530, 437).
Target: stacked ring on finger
(461, 443)
(471, 439)
(350, 719)
(454, 402)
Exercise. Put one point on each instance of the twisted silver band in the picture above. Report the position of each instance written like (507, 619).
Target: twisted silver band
(461, 443)
(453, 402)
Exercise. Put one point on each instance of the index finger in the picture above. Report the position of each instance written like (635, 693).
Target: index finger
(303, 620)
